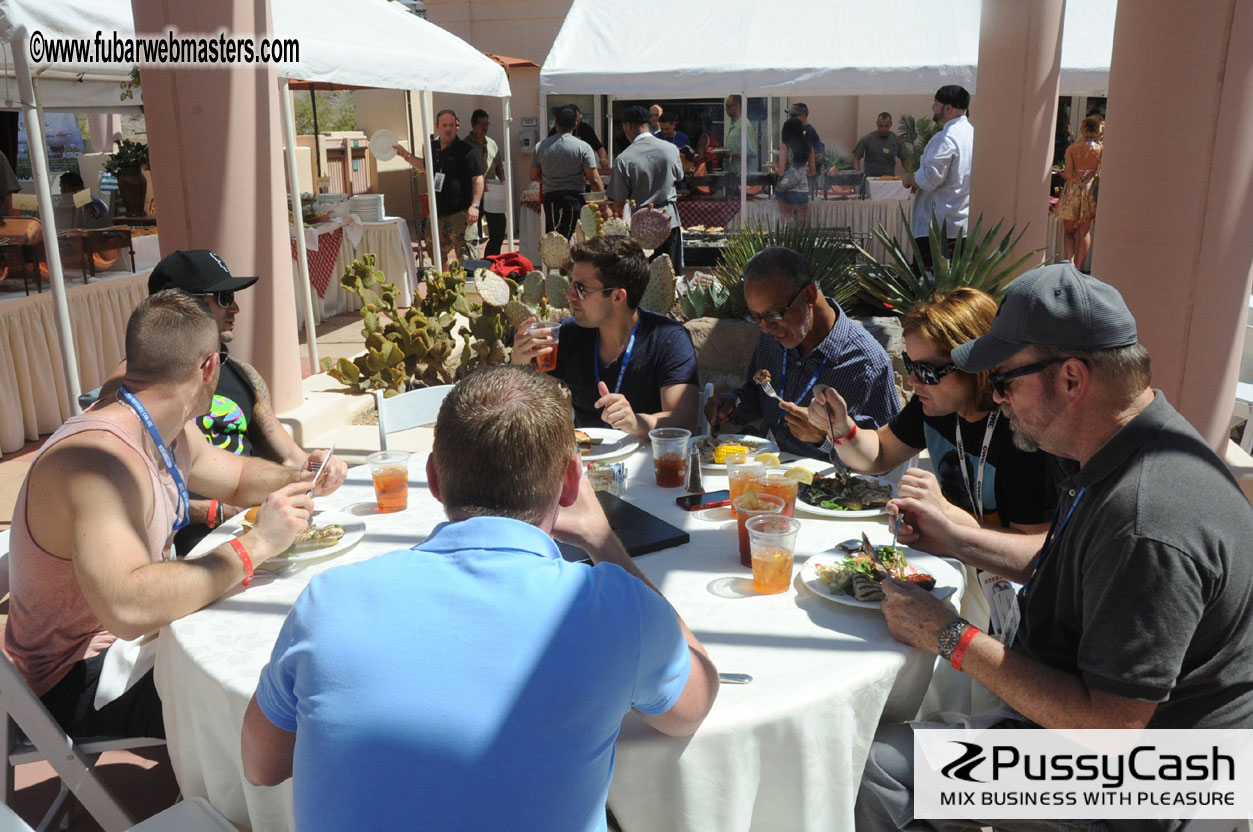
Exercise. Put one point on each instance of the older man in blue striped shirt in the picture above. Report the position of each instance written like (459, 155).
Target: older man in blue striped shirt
(806, 339)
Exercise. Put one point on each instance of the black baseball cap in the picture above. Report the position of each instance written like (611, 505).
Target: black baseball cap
(1052, 306)
(954, 96)
(197, 272)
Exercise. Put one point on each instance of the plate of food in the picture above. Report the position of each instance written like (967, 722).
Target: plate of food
(845, 498)
(330, 533)
(714, 451)
(853, 578)
(597, 444)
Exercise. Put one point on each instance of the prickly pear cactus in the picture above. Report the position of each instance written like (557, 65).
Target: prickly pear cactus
(555, 287)
(650, 227)
(659, 296)
(533, 288)
(554, 250)
(590, 220)
(615, 227)
(516, 312)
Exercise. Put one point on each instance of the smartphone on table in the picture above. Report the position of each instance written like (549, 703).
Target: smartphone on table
(710, 499)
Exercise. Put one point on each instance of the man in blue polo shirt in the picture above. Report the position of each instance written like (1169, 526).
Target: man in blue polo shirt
(478, 680)
(627, 368)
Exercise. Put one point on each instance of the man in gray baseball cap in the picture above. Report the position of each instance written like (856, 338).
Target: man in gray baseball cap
(1134, 612)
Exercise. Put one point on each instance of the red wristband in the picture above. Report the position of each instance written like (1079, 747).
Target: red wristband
(846, 438)
(212, 519)
(243, 556)
(959, 652)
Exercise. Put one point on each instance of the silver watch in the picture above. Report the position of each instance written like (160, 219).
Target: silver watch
(951, 636)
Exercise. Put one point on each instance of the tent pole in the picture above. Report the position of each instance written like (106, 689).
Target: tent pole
(769, 130)
(508, 115)
(304, 289)
(317, 142)
(543, 133)
(39, 165)
(437, 254)
(744, 122)
(413, 190)
(609, 131)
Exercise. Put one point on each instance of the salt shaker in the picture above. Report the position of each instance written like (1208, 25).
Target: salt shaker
(694, 483)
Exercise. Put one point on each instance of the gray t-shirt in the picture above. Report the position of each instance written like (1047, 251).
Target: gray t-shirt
(562, 160)
(1145, 591)
(880, 153)
(647, 172)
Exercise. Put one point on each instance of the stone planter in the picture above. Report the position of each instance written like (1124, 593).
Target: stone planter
(133, 190)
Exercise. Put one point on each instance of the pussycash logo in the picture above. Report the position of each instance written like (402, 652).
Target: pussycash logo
(1144, 763)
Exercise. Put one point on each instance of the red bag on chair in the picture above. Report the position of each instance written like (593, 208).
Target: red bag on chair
(511, 264)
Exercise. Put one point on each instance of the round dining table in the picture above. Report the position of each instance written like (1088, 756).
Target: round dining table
(783, 752)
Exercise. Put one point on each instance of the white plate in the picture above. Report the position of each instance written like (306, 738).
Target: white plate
(757, 446)
(383, 145)
(947, 578)
(354, 530)
(825, 467)
(614, 444)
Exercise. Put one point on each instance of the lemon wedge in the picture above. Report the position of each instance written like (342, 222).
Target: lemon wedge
(767, 459)
(800, 474)
(749, 500)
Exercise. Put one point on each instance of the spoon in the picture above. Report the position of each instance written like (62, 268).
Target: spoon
(734, 678)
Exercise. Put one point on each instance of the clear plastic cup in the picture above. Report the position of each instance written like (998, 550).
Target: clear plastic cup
(548, 361)
(772, 541)
(742, 470)
(670, 455)
(767, 504)
(390, 471)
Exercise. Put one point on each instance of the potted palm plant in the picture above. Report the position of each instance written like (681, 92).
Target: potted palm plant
(126, 163)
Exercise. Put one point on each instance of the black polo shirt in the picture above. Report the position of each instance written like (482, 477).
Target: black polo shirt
(1147, 591)
(460, 163)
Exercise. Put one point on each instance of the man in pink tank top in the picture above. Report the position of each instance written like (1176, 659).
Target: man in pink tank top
(94, 519)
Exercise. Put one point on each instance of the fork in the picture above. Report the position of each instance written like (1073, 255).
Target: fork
(768, 389)
(317, 465)
(842, 473)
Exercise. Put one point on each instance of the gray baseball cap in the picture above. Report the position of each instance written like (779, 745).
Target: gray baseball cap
(1052, 306)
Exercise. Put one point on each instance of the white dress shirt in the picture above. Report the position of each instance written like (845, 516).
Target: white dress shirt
(943, 179)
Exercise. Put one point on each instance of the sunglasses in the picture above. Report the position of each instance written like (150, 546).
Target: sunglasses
(583, 291)
(221, 354)
(224, 298)
(775, 317)
(928, 374)
(998, 380)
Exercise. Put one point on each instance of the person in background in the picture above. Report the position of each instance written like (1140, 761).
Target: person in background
(562, 164)
(801, 112)
(1077, 206)
(626, 367)
(390, 694)
(458, 184)
(584, 131)
(735, 124)
(796, 164)
(493, 172)
(654, 119)
(1135, 614)
(648, 171)
(8, 186)
(670, 132)
(880, 149)
(95, 212)
(942, 182)
(805, 339)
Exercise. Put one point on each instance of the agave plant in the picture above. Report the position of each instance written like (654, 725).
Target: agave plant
(831, 257)
(978, 261)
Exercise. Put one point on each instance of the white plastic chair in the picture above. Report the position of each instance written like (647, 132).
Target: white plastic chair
(191, 815)
(408, 410)
(21, 713)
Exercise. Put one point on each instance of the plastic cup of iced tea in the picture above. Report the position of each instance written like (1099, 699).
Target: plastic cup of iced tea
(772, 541)
(548, 361)
(748, 505)
(742, 471)
(670, 455)
(390, 470)
(774, 481)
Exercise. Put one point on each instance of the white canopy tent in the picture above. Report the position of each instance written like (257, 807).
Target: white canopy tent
(897, 47)
(377, 45)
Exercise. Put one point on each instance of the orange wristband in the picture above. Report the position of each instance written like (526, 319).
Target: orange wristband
(959, 652)
(846, 438)
(243, 556)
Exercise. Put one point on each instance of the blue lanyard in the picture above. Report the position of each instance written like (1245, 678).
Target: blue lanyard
(167, 458)
(804, 391)
(1051, 537)
(626, 358)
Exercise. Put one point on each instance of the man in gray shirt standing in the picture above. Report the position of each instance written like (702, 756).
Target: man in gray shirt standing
(647, 172)
(880, 149)
(561, 164)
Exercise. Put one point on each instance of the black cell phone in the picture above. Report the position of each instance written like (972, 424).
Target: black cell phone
(711, 499)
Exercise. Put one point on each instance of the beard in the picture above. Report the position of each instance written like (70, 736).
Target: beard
(1022, 440)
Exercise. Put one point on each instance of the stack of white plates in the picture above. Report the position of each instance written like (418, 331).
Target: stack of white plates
(369, 207)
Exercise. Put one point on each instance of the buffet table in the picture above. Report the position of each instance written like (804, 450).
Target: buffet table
(783, 752)
(33, 397)
(388, 241)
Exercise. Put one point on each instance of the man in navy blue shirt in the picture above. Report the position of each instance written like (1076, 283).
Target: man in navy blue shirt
(806, 339)
(626, 367)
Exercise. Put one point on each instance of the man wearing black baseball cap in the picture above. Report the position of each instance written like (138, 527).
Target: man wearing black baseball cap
(941, 185)
(241, 418)
(1134, 613)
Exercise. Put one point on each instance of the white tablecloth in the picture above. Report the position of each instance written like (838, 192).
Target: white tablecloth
(389, 242)
(33, 398)
(784, 752)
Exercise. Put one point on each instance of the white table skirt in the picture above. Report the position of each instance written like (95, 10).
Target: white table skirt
(33, 397)
(784, 752)
(389, 242)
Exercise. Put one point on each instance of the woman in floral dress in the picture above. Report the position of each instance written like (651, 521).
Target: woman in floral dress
(1077, 206)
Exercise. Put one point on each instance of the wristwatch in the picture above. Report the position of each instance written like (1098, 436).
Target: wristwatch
(951, 636)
